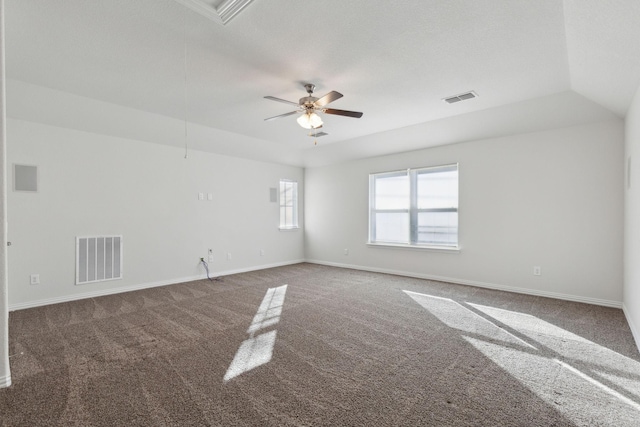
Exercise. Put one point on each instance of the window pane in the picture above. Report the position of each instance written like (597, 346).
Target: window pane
(416, 206)
(438, 228)
(438, 189)
(392, 227)
(285, 193)
(392, 192)
(288, 204)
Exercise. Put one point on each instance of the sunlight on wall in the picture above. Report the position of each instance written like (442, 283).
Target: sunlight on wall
(257, 351)
(562, 368)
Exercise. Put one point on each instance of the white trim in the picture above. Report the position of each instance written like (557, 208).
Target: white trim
(634, 331)
(220, 15)
(231, 8)
(526, 291)
(5, 365)
(104, 292)
(202, 9)
(443, 248)
(5, 381)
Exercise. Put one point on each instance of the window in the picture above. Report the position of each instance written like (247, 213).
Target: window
(414, 207)
(288, 204)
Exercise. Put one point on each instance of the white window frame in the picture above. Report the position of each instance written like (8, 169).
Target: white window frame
(286, 186)
(412, 211)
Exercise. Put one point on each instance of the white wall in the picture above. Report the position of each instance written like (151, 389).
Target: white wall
(92, 184)
(552, 199)
(632, 219)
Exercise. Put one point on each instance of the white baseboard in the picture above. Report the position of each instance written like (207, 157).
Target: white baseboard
(111, 291)
(634, 329)
(5, 381)
(526, 291)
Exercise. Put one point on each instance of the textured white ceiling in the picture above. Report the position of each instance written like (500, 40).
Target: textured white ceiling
(394, 61)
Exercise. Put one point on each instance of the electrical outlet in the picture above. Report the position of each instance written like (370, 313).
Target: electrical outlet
(261, 252)
(200, 196)
(537, 271)
(346, 251)
(35, 279)
(210, 255)
(228, 256)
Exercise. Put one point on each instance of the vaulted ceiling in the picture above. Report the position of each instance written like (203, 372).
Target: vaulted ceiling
(533, 64)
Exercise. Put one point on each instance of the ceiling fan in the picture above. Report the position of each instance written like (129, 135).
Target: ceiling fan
(309, 106)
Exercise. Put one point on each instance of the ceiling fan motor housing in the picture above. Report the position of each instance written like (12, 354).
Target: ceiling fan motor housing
(307, 101)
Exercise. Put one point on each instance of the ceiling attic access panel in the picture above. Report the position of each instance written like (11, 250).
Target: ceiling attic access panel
(219, 11)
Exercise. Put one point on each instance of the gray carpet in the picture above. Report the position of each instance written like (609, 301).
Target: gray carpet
(335, 347)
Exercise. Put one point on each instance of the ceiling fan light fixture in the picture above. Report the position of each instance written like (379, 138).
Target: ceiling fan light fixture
(308, 106)
(310, 120)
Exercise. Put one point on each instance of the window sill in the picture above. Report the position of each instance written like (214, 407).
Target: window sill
(288, 228)
(446, 249)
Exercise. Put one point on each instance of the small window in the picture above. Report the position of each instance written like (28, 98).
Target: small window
(414, 207)
(288, 204)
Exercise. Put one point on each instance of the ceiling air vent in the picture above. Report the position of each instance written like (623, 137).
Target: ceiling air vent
(461, 97)
(317, 135)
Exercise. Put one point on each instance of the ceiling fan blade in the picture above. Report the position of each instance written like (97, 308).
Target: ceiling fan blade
(273, 98)
(330, 97)
(281, 115)
(355, 114)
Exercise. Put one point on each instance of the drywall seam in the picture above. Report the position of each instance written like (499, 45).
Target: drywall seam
(526, 291)
(634, 331)
(112, 291)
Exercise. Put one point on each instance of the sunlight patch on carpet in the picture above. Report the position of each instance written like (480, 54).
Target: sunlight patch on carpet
(598, 384)
(252, 353)
(258, 350)
(557, 365)
(456, 316)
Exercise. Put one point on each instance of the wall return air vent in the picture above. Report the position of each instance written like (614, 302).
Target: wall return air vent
(461, 97)
(98, 258)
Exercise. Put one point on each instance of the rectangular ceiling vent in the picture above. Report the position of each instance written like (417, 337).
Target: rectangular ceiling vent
(317, 135)
(98, 258)
(461, 97)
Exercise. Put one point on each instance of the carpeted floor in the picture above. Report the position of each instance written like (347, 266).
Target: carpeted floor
(334, 347)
